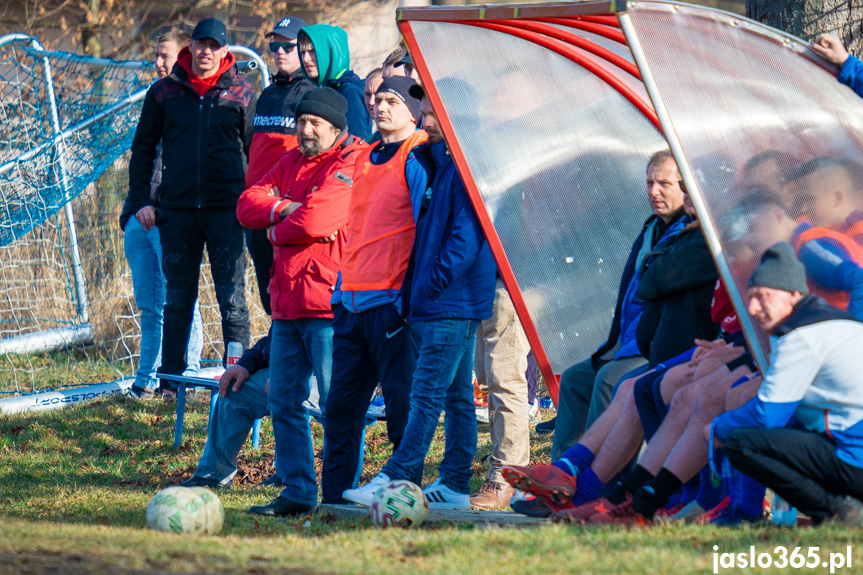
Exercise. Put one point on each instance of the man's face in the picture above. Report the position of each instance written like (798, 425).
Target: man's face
(393, 70)
(770, 306)
(663, 189)
(315, 135)
(309, 58)
(286, 56)
(391, 114)
(765, 175)
(166, 57)
(430, 124)
(207, 55)
(372, 85)
(824, 197)
(767, 227)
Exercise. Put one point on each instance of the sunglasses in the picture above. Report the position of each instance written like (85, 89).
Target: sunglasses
(286, 46)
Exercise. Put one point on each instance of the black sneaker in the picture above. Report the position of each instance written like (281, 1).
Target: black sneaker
(850, 512)
(281, 507)
(139, 392)
(195, 481)
(530, 505)
(546, 426)
(272, 481)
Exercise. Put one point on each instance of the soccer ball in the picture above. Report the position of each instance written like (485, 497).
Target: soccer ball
(186, 510)
(399, 503)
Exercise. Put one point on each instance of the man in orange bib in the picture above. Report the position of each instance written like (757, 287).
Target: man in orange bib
(371, 341)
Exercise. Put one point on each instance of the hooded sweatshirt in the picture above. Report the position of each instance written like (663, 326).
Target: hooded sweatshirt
(201, 85)
(334, 62)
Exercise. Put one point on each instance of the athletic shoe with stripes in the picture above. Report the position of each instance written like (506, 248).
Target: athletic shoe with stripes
(440, 496)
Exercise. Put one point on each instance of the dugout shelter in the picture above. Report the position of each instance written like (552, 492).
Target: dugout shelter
(551, 112)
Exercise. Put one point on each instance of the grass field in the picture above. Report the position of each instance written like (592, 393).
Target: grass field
(74, 485)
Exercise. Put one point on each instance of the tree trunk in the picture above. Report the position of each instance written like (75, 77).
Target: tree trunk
(809, 18)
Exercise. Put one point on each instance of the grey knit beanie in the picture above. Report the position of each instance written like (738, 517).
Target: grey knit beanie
(780, 269)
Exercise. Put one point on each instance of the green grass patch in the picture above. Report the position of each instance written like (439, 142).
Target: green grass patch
(75, 483)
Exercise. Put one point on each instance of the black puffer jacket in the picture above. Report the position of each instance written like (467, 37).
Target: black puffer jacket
(205, 142)
(677, 285)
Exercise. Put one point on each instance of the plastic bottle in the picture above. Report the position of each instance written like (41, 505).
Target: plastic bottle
(235, 350)
(783, 513)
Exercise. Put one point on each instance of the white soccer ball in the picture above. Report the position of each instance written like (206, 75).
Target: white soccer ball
(186, 510)
(399, 503)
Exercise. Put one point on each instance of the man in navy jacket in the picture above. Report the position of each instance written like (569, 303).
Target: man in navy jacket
(449, 288)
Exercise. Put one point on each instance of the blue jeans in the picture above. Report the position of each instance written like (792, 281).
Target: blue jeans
(230, 423)
(144, 253)
(298, 348)
(442, 381)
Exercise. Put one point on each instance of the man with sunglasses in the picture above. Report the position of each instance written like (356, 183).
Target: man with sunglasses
(275, 132)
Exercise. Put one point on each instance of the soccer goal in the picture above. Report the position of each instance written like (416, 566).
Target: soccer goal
(67, 312)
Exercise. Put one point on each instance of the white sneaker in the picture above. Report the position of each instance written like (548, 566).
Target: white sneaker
(440, 496)
(364, 495)
(533, 414)
(482, 414)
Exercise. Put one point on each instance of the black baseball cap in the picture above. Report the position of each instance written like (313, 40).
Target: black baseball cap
(288, 27)
(211, 28)
(406, 59)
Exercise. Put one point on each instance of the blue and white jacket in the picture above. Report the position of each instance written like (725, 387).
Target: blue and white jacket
(814, 381)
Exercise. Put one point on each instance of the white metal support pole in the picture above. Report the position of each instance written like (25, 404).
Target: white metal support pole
(82, 303)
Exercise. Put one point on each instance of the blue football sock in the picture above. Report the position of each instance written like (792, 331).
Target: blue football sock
(575, 460)
(690, 492)
(589, 487)
(751, 499)
(712, 490)
(675, 499)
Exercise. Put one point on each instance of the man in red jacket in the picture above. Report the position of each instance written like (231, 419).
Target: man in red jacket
(303, 202)
(275, 132)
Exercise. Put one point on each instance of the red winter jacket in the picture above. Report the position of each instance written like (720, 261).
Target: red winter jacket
(304, 270)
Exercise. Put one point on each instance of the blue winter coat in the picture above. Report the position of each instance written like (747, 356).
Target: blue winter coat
(452, 273)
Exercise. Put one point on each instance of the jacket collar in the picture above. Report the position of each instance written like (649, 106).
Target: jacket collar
(440, 154)
(282, 79)
(342, 142)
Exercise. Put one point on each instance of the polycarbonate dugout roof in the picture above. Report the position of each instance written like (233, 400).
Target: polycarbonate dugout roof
(551, 112)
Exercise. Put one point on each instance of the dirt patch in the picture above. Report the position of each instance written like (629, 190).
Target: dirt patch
(16, 431)
(54, 563)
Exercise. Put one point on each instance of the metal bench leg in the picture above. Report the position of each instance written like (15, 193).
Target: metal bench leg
(181, 413)
(256, 434)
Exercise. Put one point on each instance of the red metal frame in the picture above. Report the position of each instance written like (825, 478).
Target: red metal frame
(581, 24)
(460, 159)
(505, 11)
(567, 52)
(575, 40)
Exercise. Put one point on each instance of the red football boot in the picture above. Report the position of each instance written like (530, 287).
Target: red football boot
(546, 481)
(583, 512)
(622, 514)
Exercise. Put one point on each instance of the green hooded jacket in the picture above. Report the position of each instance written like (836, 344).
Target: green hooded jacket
(331, 48)
(334, 67)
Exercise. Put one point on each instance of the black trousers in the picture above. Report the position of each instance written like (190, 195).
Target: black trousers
(261, 251)
(801, 466)
(368, 347)
(184, 234)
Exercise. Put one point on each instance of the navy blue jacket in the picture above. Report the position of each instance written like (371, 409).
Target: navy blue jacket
(851, 75)
(452, 270)
(629, 274)
(352, 88)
